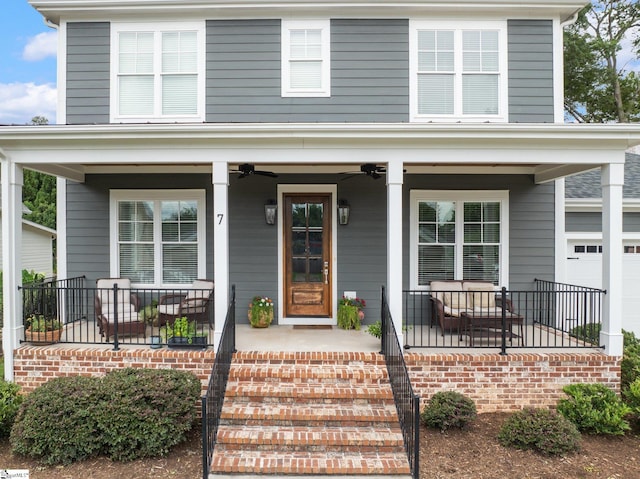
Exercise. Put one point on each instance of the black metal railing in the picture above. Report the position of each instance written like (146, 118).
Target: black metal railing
(176, 317)
(214, 397)
(407, 402)
(554, 315)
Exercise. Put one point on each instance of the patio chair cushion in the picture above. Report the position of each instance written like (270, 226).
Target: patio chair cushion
(199, 294)
(481, 296)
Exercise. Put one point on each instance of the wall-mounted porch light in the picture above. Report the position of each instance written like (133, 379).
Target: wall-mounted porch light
(343, 212)
(270, 210)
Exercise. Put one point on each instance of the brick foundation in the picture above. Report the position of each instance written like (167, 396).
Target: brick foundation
(494, 382)
(35, 365)
(503, 383)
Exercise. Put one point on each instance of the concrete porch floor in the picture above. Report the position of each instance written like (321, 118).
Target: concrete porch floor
(288, 338)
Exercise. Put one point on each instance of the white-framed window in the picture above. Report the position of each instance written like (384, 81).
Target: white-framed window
(306, 58)
(158, 236)
(458, 71)
(157, 72)
(461, 235)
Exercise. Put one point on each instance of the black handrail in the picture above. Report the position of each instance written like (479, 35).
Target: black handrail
(214, 397)
(407, 402)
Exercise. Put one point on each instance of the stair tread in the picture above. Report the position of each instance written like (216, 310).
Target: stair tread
(311, 412)
(275, 462)
(240, 389)
(299, 373)
(302, 435)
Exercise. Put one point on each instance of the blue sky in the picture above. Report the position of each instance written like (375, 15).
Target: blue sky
(27, 64)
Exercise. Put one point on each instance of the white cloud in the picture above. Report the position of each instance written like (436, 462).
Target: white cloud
(41, 46)
(20, 102)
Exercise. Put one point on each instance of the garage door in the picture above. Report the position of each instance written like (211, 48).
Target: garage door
(584, 268)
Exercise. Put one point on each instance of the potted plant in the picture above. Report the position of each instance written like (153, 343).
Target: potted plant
(260, 312)
(42, 330)
(183, 334)
(350, 314)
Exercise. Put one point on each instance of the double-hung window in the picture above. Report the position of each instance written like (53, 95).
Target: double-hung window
(157, 236)
(306, 63)
(458, 71)
(157, 72)
(460, 235)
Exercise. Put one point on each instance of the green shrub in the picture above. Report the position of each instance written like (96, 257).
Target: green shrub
(541, 430)
(127, 414)
(56, 423)
(595, 409)
(375, 329)
(10, 400)
(590, 333)
(448, 409)
(630, 365)
(632, 398)
(146, 411)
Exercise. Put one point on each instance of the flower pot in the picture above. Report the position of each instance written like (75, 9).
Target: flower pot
(197, 342)
(43, 337)
(260, 319)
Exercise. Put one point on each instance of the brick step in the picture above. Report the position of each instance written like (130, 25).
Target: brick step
(291, 463)
(293, 373)
(256, 413)
(312, 357)
(244, 391)
(310, 439)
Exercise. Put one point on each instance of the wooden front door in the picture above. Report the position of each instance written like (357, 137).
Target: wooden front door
(307, 254)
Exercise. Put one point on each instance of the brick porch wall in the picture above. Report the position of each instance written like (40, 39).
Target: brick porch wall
(35, 365)
(515, 381)
(494, 382)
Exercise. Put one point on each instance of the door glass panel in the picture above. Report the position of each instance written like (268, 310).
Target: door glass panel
(298, 242)
(299, 215)
(315, 243)
(307, 242)
(315, 215)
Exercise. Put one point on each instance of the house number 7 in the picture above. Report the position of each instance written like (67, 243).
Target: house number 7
(220, 216)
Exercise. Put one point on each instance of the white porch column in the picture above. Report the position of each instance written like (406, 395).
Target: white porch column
(394, 244)
(220, 245)
(611, 334)
(12, 182)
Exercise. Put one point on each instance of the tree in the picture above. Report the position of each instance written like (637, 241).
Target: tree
(598, 88)
(39, 192)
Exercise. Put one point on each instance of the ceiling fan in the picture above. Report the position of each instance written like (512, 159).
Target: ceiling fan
(247, 169)
(368, 169)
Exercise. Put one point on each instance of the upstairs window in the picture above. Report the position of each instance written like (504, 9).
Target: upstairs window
(306, 63)
(458, 73)
(158, 72)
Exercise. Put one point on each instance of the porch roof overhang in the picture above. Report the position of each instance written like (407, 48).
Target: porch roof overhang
(546, 151)
(57, 10)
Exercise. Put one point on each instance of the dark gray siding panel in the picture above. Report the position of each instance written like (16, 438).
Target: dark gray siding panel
(88, 72)
(531, 221)
(592, 222)
(530, 71)
(88, 217)
(369, 73)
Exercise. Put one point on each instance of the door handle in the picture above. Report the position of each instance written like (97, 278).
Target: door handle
(326, 272)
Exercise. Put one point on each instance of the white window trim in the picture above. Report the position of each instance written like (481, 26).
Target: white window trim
(325, 27)
(459, 196)
(458, 27)
(157, 195)
(156, 28)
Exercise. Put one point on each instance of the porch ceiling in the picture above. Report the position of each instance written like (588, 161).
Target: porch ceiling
(546, 151)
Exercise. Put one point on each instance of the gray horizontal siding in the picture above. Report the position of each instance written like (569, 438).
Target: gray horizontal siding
(591, 222)
(530, 71)
(88, 67)
(88, 217)
(369, 73)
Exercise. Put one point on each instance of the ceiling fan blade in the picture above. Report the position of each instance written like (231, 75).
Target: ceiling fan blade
(270, 174)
